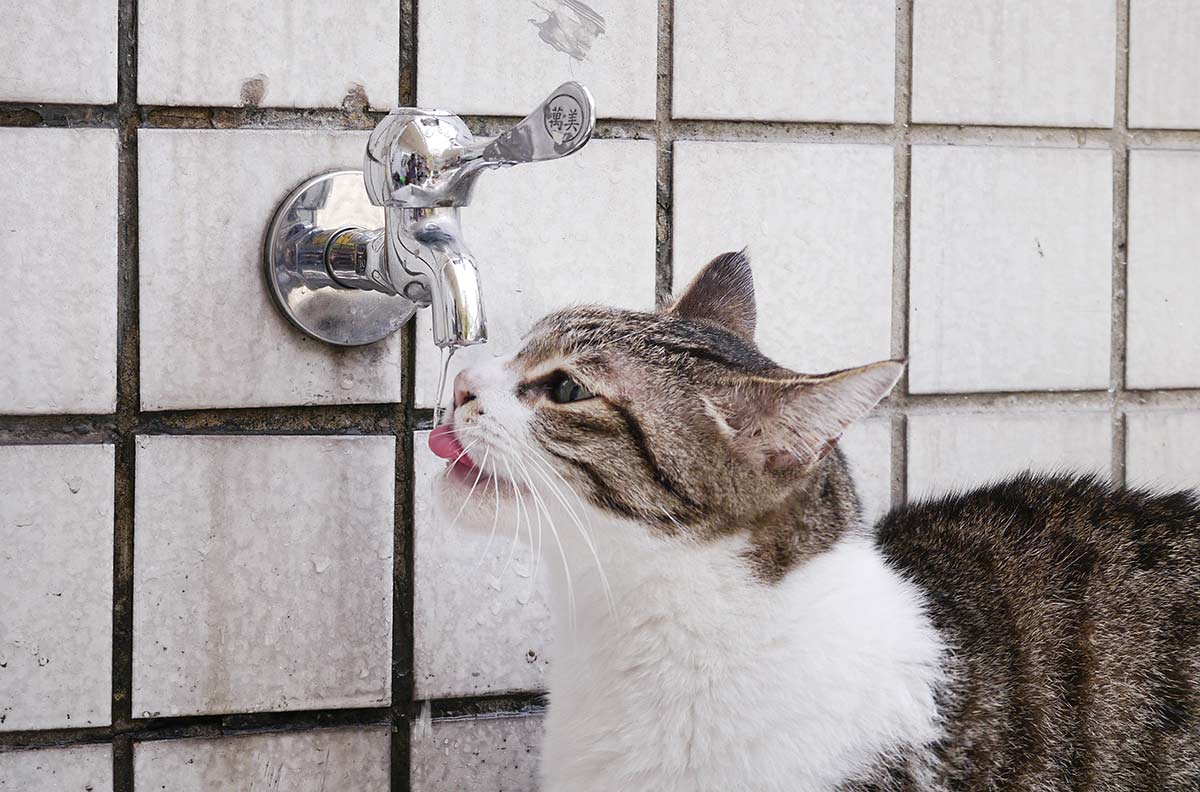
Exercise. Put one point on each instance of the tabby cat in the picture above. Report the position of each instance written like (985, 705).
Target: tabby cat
(725, 620)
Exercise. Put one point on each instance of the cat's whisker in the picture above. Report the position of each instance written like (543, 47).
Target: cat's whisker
(519, 503)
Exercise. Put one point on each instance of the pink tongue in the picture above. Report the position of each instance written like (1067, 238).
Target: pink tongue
(444, 443)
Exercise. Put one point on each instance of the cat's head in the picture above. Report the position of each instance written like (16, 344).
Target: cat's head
(672, 420)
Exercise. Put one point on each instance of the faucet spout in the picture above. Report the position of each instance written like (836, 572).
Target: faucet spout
(427, 243)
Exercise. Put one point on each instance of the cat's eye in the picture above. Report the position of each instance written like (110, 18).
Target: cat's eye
(565, 390)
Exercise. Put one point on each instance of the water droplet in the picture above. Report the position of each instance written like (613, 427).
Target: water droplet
(74, 483)
(347, 382)
(321, 563)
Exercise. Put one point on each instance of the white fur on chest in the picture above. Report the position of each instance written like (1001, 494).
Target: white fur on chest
(704, 679)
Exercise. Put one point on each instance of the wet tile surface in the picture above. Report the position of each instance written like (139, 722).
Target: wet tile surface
(271, 54)
(355, 759)
(1021, 62)
(1163, 276)
(1164, 72)
(1163, 450)
(262, 574)
(60, 205)
(785, 60)
(482, 623)
(1010, 281)
(64, 51)
(56, 595)
(85, 767)
(498, 754)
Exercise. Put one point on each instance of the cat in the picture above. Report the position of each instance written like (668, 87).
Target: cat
(725, 621)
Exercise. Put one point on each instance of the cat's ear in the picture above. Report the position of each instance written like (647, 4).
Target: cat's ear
(723, 294)
(791, 423)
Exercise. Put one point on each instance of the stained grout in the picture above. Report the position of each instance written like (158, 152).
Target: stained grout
(127, 397)
(1120, 210)
(901, 227)
(665, 155)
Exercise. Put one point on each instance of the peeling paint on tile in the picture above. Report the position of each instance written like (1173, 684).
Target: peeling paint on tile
(570, 26)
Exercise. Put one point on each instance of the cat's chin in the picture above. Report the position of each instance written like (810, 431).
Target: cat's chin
(467, 497)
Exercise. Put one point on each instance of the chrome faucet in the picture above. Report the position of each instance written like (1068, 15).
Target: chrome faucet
(344, 274)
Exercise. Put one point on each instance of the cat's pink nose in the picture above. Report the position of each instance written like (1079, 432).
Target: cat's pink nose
(462, 390)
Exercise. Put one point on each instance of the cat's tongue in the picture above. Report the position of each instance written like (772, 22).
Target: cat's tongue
(444, 443)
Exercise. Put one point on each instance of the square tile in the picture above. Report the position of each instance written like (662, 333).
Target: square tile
(481, 623)
(585, 233)
(1164, 72)
(531, 47)
(818, 221)
(60, 205)
(206, 198)
(57, 769)
(1163, 270)
(1022, 62)
(1163, 450)
(56, 561)
(498, 754)
(59, 52)
(355, 759)
(1010, 282)
(785, 60)
(262, 574)
(303, 53)
(961, 452)
(868, 449)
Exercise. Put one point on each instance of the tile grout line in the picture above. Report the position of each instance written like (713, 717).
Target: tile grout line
(1120, 229)
(901, 230)
(664, 156)
(404, 520)
(127, 397)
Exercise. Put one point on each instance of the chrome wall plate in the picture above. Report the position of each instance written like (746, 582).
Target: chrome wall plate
(305, 222)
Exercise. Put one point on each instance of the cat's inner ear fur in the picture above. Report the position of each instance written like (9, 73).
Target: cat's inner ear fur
(790, 423)
(723, 294)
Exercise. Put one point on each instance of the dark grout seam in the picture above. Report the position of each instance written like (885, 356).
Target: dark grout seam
(127, 396)
(1120, 226)
(665, 156)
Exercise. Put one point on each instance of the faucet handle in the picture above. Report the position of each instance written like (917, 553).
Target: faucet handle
(559, 126)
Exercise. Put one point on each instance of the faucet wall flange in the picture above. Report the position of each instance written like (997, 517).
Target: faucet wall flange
(300, 243)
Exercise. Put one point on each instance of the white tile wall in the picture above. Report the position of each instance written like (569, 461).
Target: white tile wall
(948, 452)
(336, 759)
(818, 222)
(58, 259)
(502, 58)
(56, 557)
(498, 754)
(83, 767)
(206, 198)
(1163, 270)
(785, 60)
(1010, 277)
(262, 573)
(1021, 62)
(479, 627)
(302, 53)
(63, 51)
(868, 449)
(1163, 449)
(553, 234)
(1164, 72)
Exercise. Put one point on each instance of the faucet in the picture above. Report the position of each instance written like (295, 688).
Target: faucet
(350, 266)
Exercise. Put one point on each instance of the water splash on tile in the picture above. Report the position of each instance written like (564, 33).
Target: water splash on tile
(570, 26)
